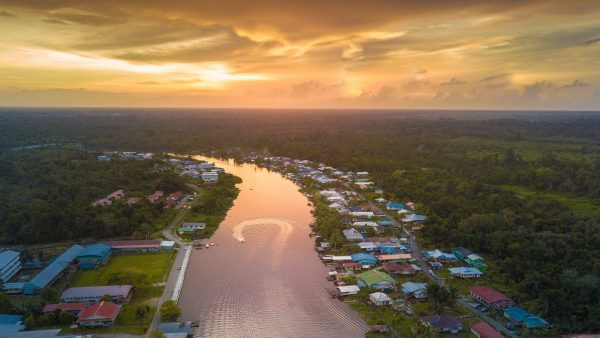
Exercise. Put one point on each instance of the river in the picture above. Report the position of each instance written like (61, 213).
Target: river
(263, 277)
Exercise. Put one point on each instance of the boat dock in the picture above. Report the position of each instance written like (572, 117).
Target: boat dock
(181, 277)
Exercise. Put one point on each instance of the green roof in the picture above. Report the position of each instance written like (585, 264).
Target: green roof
(376, 276)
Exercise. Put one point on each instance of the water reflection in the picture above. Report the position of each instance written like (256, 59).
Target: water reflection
(263, 278)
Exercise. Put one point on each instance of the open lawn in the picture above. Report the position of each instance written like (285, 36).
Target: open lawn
(153, 264)
(582, 206)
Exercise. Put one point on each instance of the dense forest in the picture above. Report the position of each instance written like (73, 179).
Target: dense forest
(522, 189)
(46, 195)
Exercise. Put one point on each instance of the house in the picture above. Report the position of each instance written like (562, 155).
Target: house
(376, 279)
(102, 314)
(93, 294)
(348, 290)
(133, 200)
(440, 256)
(352, 266)
(155, 196)
(362, 214)
(74, 308)
(172, 198)
(475, 261)
(485, 330)
(491, 297)
(364, 259)
(465, 272)
(435, 265)
(210, 177)
(414, 218)
(352, 235)
(394, 206)
(368, 246)
(414, 290)
(398, 258)
(11, 324)
(461, 253)
(94, 255)
(365, 224)
(521, 317)
(190, 228)
(135, 246)
(10, 264)
(404, 269)
(380, 299)
(47, 276)
(443, 323)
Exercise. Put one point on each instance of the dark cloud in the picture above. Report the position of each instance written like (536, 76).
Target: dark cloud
(576, 84)
(6, 14)
(496, 77)
(453, 82)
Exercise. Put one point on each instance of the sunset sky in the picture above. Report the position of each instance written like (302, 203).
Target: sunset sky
(301, 54)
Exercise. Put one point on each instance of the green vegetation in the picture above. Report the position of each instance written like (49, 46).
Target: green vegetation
(137, 269)
(169, 311)
(582, 206)
(46, 195)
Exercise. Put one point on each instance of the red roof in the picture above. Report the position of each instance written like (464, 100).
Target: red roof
(65, 307)
(149, 243)
(490, 295)
(100, 311)
(349, 264)
(485, 330)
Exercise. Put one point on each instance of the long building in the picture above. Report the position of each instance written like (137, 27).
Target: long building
(10, 264)
(94, 255)
(47, 276)
(93, 294)
(134, 246)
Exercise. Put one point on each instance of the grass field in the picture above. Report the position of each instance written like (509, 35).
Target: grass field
(582, 206)
(154, 264)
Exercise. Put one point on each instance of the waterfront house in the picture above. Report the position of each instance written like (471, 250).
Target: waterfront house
(135, 246)
(348, 290)
(491, 297)
(364, 259)
(10, 264)
(523, 318)
(414, 290)
(352, 266)
(92, 294)
(403, 269)
(380, 299)
(485, 330)
(352, 235)
(465, 272)
(94, 255)
(397, 258)
(443, 323)
(377, 279)
(101, 314)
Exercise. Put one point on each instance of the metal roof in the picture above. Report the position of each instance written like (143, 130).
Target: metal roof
(98, 249)
(58, 265)
(7, 256)
(97, 291)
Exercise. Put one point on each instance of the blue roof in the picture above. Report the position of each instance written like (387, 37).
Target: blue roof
(7, 256)
(362, 257)
(175, 327)
(465, 270)
(519, 315)
(98, 249)
(392, 205)
(11, 328)
(57, 266)
(10, 319)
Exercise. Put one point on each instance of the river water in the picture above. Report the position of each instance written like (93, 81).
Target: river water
(271, 285)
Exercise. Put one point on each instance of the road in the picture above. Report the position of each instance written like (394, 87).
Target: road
(171, 280)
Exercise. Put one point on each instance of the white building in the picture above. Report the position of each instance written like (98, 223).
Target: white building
(380, 298)
(348, 290)
(210, 177)
(10, 264)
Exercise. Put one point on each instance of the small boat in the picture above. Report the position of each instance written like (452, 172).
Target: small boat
(212, 243)
(242, 241)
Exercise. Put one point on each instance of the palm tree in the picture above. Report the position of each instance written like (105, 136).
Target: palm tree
(423, 330)
(439, 297)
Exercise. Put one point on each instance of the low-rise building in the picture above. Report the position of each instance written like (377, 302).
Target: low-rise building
(93, 294)
(352, 266)
(364, 259)
(10, 264)
(11, 324)
(403, 269)
(348, 290)
(102, 314)
(491, 297)
(414, 290)
(135, 246)
(191, 228)
(74, 308)
(352, 235)
(485, 330)
(465, 272)
(443, 323)
(380, 299)
(523, 318)
(210, 177)
(94, 255)
(377, 279)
